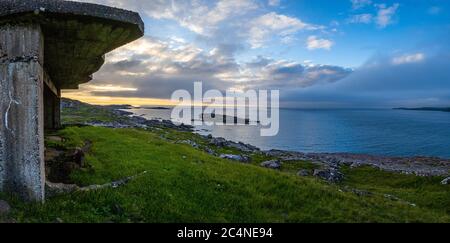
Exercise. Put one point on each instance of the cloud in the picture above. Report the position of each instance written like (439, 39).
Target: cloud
(199, 16)
(108, 88)
(385, 14)
(383, 17)
(294, 75)
(383, 83)
(361, 19)
(406, 73)
(314, 43)
(274, 3)
(154, 68)
(241, 22)
(272, 24)
(266, 73)
(408, 58)
(357, 4)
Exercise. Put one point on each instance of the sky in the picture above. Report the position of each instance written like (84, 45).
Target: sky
(319, 54)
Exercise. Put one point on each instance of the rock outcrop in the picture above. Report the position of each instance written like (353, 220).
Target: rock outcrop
(239, 158)
(331, 175)
(222, 142)
(272, 164)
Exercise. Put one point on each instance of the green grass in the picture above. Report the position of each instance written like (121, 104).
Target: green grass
(87, 113)
(187, 185)
(295, 166)
(426, 192)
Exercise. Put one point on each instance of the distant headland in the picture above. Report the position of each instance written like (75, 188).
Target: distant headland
(444, 109)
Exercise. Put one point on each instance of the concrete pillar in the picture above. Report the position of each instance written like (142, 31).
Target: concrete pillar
(48, 108)
(52, 112)
(57, 111)
(21, 111)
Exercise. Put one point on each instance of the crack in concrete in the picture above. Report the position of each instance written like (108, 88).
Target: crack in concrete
(11, 101)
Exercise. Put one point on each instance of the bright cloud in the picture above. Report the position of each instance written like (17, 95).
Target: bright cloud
(200, 16)
(314, 43)
(155, 67)
(211, 19)
(274, 3)
(357, 4)
(385, 14)
(411, 58)
(108, 88)
(361, 19)
(161, 68)
(273, 24)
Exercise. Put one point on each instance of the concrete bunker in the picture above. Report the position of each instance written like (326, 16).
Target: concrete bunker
(46, 46)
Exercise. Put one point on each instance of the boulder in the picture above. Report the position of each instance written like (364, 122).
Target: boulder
(391, 197)
(240, 158)
(247, 148)
(54, 189)
(222, 142)
(58, 221)
(272, 164)
(304, 173)
(210, 151)
(219, 142)
(360, 193)
(189, 142)
(330, 175)
(446, 181)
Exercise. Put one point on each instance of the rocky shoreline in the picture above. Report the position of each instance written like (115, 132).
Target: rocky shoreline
(330, 163)
(420, 166)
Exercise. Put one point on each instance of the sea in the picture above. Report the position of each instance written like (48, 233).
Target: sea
(384, 132)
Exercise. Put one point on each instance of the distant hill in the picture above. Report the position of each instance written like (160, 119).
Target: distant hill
(444, 109)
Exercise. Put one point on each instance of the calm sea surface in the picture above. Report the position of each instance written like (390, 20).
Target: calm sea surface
(376, 132)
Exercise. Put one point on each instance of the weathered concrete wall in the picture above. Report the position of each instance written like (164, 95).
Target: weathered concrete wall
(21, 111)
(77, 36)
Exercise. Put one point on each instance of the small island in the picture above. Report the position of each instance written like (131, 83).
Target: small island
(155, 108)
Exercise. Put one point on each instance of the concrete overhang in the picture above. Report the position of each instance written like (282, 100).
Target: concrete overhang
(76, 35)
